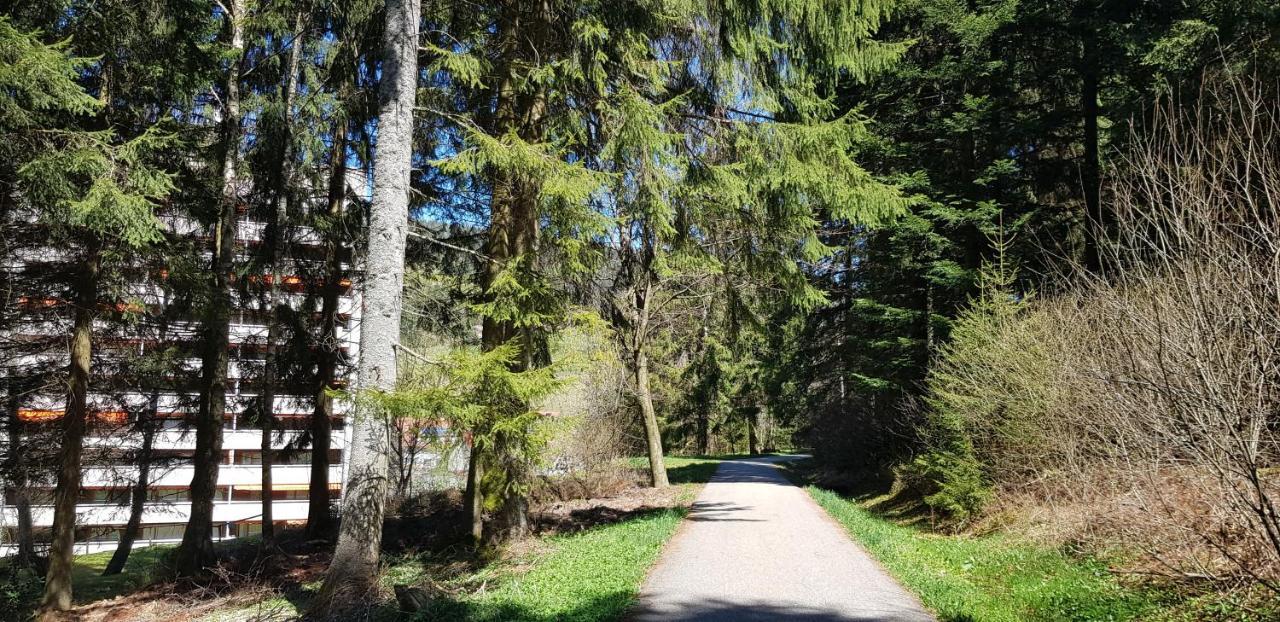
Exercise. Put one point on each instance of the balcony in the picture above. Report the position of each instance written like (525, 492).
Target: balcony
(228, 475)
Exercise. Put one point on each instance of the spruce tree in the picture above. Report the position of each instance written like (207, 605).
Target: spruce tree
(352, 574)
(96, 194)
(195, 553)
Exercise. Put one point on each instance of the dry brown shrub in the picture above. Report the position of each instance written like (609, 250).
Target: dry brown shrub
(586, 456)
(1159, 430)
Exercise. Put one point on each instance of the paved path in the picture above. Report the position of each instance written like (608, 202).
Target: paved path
(757, 548)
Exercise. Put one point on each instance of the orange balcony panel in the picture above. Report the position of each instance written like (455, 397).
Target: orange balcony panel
(37, 303)
(35, 415)
(128, 307)
(116, 417)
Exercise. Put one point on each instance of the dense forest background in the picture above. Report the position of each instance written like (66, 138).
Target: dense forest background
(1013, 258)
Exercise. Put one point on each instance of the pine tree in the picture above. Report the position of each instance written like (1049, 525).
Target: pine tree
(195, 553)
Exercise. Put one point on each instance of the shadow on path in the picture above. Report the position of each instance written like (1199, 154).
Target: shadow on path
(727, 611)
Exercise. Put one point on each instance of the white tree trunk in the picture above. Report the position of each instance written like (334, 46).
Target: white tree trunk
(353, 571)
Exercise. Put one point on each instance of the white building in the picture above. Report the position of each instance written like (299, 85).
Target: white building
(104, 509)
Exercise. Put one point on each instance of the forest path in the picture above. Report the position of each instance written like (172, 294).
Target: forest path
(755, 547)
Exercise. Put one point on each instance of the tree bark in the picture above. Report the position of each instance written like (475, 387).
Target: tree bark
(195, 553)
(57, 590)
(140, 492)
(652, 434)
(16, 471)
(512, 236)
(319, 520)
(277, 240)
(352, 574)
(474, 497)
(148, 423)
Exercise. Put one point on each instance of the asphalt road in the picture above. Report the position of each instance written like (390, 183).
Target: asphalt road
(756, 548)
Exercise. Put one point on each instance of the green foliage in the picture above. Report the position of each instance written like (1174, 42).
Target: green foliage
(37, 80)
(951, 480)
(986, 395)
(478, 391)
(78, 180)
(981, 119)
(89, 181)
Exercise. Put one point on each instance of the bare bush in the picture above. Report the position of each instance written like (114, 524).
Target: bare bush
(1139, 408)
(586, 456)
(1173, 353)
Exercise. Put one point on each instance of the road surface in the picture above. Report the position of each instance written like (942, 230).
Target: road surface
(756, 548)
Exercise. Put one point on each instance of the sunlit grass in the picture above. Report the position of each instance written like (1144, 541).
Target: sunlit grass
(990, 578)
(141, 569)
(590, 576)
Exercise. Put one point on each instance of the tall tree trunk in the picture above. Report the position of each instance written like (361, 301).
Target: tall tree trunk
(57, 587)
(277, 240)
(352, 574)
(704, 415)
(753, 423)
(26, 557)
(16, 472)
(644, 393)
(474, 497)
(513, 235)
(196, 551)
(319, 521)
(652, 434)
(141, 487)
(640, 365)
(498, 249)
(149, 423)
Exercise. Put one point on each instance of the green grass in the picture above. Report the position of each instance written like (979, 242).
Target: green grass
(990, 578)
(593, 575)
(589, 576)
(90, 585)
(691, 469)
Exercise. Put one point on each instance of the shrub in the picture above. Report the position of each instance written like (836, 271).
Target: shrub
(987, 397)
(1139, 401)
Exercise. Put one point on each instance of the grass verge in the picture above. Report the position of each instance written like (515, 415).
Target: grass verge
(586, 577)
(990, 578)
(690, 470)
(90, 585)
(590, 576)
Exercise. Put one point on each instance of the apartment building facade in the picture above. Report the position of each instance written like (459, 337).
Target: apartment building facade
(106, 484)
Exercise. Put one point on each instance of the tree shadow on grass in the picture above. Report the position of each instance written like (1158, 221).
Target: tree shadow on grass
(605, 607)
(693, 473)
(589, 518)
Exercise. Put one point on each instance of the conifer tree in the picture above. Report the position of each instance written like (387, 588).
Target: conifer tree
(97, 194)
(195, 552)
(352, 22)
(353, 572)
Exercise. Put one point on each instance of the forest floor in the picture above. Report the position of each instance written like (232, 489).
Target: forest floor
(586, 562)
